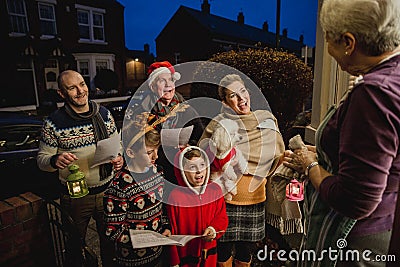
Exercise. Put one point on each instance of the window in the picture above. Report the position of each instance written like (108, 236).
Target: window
(17, 16)
(101, 65)
(24, 64)
(91, 24)
(84, 71)
(84, 26)
(51, 76)
(89, 64)
(51, 63)
(47, 19)
(98, 27)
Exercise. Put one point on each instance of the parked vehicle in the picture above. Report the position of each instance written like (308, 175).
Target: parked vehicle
(118, 108)
(19, 144)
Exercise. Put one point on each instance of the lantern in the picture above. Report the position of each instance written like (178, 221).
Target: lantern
(76, 182)
(295, 190)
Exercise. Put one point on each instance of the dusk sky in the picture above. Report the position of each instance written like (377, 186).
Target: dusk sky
(144, 20)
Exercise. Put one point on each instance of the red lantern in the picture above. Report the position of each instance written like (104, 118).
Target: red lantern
(295, 190)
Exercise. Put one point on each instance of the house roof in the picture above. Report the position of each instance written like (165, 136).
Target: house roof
(230, 29)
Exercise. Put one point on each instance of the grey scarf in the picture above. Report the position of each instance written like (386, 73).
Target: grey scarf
(99, 127)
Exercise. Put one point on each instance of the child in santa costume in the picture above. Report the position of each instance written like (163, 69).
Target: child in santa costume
(134, 200)
(196, 207)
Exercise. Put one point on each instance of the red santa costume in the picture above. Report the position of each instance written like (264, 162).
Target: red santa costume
(191, 211)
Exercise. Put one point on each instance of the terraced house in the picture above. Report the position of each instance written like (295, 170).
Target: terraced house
(41, 38)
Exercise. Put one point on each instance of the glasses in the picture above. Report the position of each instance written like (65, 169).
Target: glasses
(164, 81)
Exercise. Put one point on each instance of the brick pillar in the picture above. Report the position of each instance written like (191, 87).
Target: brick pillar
(24, 232)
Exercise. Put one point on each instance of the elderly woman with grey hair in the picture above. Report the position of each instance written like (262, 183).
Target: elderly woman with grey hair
(354, 169)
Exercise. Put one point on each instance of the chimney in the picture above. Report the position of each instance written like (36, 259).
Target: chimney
(284, 32)
(301, 39)
(265, 26)
(240, 18)
(205, 7)
(146, 48)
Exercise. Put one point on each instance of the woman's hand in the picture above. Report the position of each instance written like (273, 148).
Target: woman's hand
(312, 148)
(299, 159)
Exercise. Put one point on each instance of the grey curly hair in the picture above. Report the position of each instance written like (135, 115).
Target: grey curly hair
(374, 23)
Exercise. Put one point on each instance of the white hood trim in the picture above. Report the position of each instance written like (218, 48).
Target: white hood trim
(207, 161)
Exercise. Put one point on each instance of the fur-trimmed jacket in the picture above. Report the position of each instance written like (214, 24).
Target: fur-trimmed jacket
(191, 211)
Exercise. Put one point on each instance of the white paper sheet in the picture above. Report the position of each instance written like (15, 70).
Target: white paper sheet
(106, 150)
(146, 238)
(176, 137)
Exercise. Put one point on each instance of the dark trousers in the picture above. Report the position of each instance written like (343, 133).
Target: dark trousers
(81, 211)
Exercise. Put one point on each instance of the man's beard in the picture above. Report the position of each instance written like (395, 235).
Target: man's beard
(71, 101)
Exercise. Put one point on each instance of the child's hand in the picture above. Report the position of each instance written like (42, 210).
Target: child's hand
(166, 232)
(209, 234)
(118, 162)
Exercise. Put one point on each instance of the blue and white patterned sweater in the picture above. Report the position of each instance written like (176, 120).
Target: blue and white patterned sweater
(61, 133)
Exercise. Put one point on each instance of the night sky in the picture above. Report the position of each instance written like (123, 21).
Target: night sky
(144, 19)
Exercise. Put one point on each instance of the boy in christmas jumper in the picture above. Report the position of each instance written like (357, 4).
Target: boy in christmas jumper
(134, 201)
(196, 207)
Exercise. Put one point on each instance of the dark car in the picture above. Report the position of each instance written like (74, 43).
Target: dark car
(19, 144)
(118, 108)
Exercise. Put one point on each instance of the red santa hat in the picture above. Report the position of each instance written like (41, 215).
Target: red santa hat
(138, 199)
(157, 68)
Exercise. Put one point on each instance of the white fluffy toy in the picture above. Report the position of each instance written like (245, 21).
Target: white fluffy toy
(227, 157)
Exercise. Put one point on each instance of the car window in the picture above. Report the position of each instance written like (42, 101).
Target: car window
(19, 137)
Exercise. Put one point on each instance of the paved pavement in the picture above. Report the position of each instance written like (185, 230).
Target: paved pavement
(92, 240)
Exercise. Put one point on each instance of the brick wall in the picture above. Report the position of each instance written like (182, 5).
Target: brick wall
(24, 232)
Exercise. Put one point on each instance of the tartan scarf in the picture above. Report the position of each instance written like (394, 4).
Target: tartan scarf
(281, 213)
(160, 110)
(99, 128)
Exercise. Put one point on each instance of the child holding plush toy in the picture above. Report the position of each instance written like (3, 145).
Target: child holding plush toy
(197, 207)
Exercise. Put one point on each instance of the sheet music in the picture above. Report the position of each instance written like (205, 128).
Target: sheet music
(176, 137)
(106, 150)
(147, 238)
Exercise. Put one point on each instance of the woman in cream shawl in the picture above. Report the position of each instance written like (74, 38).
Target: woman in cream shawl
(261, 146)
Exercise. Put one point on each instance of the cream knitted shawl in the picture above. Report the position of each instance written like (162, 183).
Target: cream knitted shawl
(262, 143)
